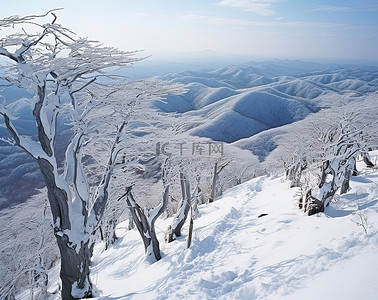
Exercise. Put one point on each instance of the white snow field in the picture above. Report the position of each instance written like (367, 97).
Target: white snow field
(235, 254)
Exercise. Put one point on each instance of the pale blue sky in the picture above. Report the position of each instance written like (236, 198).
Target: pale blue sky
(345, 29)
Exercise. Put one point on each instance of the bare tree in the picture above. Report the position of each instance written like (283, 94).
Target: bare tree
(216, 172)
(337, 171)
(319, 153)
(295, 168)
(67, 76)
(144, 220)
(183, 211)
(367, 159)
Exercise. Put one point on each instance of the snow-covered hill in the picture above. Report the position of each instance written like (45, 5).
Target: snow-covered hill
(236, 102)
(254, 243)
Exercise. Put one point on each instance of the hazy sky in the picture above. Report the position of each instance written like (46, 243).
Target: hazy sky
(346, 29)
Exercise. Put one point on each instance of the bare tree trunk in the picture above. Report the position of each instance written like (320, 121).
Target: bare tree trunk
(328, 190)
(214, 184)
(74, 272)
(111, 235)
(294, 173)
(355, 171)
(340, 168)
(348, 174)
(217, 170)
(75, 259)
(367, 160)
(190, 234)
(312, 205)
(108, 235)
(196, 199)
(182, 214)
(145, 222)
(131, 223)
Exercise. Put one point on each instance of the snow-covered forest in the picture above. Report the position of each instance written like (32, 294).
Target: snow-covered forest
(249, 181)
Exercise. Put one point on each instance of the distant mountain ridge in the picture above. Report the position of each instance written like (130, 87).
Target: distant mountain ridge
(232, 103)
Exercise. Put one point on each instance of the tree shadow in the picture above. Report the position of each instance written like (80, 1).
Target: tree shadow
(337, 213)
(370, 204)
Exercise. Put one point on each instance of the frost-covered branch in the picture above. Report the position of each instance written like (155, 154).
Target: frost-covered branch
(26, 144)
(337, 171)
(102, 193)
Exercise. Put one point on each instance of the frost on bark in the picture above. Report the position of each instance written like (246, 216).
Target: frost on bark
(214, 183)
(336, 172)
(68, 76)
(144, 220)
(217, 170)
(183, 211)
(197, 198)
(295, 171)
(107, 231)
(190, 233)
(75, 271)
(367, 160)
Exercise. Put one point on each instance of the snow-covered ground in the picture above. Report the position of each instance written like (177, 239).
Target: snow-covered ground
(236, 254)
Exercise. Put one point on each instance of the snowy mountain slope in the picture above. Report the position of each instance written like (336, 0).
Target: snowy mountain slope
(263, 143)
(236, 102)
(236, 254)
(301, 88)
(272, 145)
(248, 114)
